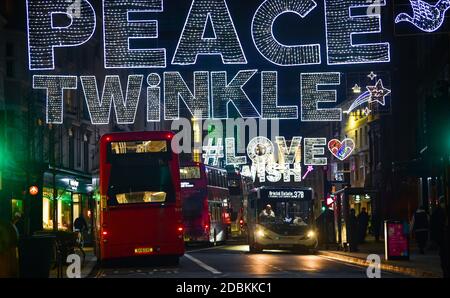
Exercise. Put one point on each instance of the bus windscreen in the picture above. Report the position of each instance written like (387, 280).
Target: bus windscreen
(132, 147)
(131, 184)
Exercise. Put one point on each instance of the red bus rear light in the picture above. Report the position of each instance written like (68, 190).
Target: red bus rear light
(169, 136)
(206, 226)
(180, 229)
(241, 222)
(104, 233)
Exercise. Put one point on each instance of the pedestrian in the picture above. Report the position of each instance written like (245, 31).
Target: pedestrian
(420, 227)
(9, 266)
(80, 224)
(376, 226)
(17, 224)
(363, 222)
(438, 224)
(352, 236)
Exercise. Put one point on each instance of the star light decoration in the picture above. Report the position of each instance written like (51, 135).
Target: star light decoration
(378, 93)
(372, 75)
(367, 111)
(356, 89)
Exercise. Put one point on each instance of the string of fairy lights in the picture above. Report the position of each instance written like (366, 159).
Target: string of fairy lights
(119, 28)
(311, 96)
(341, 26)
(193, 41)
(54, 88)
(44, 35)
(267, 44)
(175, 88)
(211, 94)
(269, 101)
(100, 108)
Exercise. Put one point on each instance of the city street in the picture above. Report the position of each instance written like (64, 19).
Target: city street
(132, 129)
(234, 261)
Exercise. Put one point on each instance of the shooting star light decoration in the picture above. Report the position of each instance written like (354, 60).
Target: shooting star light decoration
(376, 93)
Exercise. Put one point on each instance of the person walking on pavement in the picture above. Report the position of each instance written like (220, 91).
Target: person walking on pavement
(80, 225)
(420, 227)
(437, 222)
(17, 224)
(438, 233)
(9, 266)
(363, 222)
(353, 231)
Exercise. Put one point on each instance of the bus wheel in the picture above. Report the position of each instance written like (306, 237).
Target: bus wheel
(255, 248)
(173, 260)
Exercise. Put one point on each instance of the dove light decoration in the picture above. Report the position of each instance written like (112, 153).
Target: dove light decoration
(426, 17)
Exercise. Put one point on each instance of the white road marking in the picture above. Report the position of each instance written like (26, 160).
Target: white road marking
(202, 249)
(203, 265)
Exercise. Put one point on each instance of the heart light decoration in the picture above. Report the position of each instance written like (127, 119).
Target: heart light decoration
(341, 149)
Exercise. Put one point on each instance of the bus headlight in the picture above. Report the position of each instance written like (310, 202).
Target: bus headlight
(260, 233)
(310, 234)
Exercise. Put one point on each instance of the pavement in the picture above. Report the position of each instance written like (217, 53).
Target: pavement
(427, 265)
(87, 265)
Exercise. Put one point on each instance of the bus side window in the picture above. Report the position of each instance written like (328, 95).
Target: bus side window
(216, 178)
(210, 177)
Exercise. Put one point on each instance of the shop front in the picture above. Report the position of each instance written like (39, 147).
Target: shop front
(358, 199)
(73, 192)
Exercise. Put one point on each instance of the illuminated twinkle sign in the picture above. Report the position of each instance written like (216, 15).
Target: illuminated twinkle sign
(210, 92)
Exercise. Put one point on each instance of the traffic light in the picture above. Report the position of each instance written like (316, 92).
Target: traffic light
(324, 206)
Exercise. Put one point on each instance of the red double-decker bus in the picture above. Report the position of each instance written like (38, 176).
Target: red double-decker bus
(140, 205)
(205, 198)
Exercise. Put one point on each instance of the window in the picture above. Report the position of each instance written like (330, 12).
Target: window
(71, 151)
(86, 155)
(366, 135)
(71, 108)
(78, 148)
(189, 173)
(138, 147)
(10, 69)
(361, 138)
(9, 50)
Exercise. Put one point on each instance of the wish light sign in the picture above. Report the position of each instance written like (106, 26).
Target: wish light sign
(210, 91)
